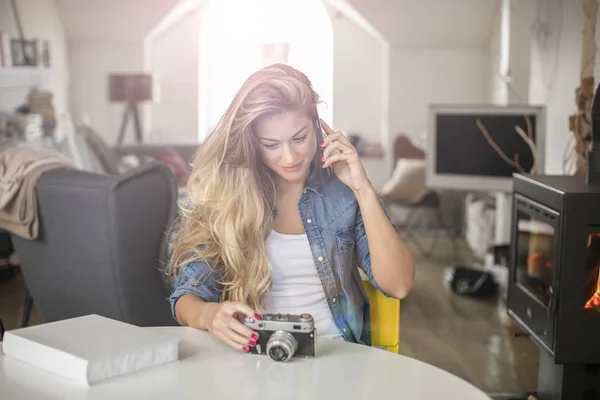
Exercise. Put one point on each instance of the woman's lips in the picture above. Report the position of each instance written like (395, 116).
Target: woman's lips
(292, 168)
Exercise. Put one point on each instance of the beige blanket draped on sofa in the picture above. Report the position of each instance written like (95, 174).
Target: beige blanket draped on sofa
(20, 168)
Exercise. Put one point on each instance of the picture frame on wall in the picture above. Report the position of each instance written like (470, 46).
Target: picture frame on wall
(24, 52)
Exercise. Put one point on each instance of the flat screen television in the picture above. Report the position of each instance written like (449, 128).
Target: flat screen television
(465, 142)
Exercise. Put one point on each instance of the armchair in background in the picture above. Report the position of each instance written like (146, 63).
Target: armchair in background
(102, 245)
(414, 206)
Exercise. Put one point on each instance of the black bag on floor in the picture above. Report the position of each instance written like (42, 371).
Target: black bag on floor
(471, 282)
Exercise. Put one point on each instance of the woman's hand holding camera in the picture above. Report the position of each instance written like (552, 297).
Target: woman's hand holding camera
(223, 321)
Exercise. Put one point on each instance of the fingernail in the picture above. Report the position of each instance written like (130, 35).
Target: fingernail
(322, 143)
(252, 343)
(246, 349)
(254, 336)
(323, 165)
(256, 316)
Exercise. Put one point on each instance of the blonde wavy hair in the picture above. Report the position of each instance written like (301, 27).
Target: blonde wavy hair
(232, 192)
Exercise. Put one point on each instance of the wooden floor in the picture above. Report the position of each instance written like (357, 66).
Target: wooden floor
(12, 298)
(461, 335)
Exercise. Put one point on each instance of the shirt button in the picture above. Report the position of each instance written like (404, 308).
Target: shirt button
(334, 300)
(320, 258)
(344, 329)
(309, 221)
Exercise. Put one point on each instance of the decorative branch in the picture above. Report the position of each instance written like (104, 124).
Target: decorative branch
(513, 163)
(529, 128)
(526, 136)
(517, 164)
(528, 139)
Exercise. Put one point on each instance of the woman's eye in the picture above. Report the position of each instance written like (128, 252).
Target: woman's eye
(300, 139)
(270, 146)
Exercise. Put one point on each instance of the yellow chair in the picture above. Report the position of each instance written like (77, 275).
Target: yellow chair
(385, 319)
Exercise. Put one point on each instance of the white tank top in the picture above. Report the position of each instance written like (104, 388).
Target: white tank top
(296, 287)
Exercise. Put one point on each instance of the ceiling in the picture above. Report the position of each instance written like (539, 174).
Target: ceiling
(111, 20)
(431, 24)
(406, 24)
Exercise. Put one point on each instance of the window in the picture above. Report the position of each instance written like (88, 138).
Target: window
(238, 37)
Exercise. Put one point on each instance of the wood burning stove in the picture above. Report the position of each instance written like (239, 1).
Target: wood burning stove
(554, 284)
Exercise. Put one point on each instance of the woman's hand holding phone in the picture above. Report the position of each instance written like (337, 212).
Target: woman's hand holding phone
(341, 155)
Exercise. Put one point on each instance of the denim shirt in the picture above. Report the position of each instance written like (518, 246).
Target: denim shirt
(334, 227)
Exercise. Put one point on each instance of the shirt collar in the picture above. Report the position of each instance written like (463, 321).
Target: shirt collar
(316, 181)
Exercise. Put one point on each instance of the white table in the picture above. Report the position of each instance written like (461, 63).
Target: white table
(209, 370)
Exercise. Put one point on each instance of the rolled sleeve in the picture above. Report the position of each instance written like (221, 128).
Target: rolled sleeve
(362, 246)
(194, 278)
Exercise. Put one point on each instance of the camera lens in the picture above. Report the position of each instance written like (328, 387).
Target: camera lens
(278, 354)
(281, 346)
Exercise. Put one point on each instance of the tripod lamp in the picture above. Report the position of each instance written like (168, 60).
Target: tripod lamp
(130, 89)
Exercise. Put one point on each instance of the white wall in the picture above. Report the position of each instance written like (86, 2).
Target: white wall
(498, 57)
(521, 18)
(40, 19)
(509, 52)
(555, 70)
(420, 78)
(91, 63)
(357, 90)
(175, 64)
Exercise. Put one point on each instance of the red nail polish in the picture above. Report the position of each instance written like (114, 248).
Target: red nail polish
(256, 316)
(252, 343)
(254, 336)
(322, 143)
(246, 349)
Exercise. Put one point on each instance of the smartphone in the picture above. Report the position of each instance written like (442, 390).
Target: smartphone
(319, 131)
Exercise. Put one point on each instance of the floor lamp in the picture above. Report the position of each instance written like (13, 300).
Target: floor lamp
(131, 89)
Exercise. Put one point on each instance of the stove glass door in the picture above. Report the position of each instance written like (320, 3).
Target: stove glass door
(535, 254)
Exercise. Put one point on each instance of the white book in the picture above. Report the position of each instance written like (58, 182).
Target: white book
(91, 348)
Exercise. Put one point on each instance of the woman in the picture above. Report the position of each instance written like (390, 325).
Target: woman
(270, 230)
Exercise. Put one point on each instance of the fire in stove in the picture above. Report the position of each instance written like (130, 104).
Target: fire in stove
(592, 284)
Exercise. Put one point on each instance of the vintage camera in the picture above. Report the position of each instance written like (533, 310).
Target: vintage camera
(283, 336)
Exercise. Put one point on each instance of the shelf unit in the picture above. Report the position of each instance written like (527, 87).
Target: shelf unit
(16, 82)
(26, 77)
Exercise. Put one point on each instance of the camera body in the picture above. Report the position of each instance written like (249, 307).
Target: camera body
(283, 336)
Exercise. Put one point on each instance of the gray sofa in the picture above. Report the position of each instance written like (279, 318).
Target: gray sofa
(102, 245)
